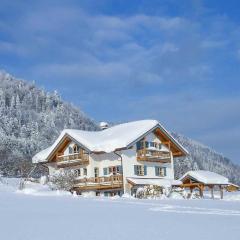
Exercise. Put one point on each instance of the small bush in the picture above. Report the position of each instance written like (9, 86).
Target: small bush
(151, 191)
(63, 180)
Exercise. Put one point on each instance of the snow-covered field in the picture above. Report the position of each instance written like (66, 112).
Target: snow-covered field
(39, 214)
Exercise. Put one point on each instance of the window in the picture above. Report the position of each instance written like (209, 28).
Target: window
(145, 144)
(114, 170)
(77, 172)
(160, 171)
(76, 148)
(70, 150)
(152, 144)
(85, 171)
(139, 145)
(105, 171)
(96, 172)
(119, 169)
(140, 170)
(106, 194)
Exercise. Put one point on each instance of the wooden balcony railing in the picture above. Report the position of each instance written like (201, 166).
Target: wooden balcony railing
(73, 159)
(152, 155)
(98, 183)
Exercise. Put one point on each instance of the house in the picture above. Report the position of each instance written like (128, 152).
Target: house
(232, 187)
(115, 160)
(202, 180)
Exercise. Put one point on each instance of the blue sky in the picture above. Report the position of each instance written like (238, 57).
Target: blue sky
(175, 61)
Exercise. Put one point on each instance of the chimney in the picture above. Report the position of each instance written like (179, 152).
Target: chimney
(103, 125)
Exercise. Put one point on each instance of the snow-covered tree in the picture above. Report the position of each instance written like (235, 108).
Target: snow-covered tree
(30, 120)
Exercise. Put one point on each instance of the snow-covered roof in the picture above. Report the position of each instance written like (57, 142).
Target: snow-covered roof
(154, 181)
(234, 185)
(108, 140)
(206, 177)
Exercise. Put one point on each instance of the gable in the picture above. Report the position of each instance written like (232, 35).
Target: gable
(62, 145)
(188, 180)
(166, 139)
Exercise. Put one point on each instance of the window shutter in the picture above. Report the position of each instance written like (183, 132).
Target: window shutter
(135, 169)
(145, 170)
(70, 150)
(156, 171)
(120, 169)
(138, 145)
(165, 172)
(105, 171)
(146, 144)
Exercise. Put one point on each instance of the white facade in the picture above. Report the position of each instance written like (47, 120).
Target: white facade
(129, 160)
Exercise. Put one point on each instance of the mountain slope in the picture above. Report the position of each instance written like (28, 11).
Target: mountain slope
(204, 158)
(30, 120)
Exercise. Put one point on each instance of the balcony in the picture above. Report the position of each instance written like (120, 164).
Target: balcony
(153, 155)
(74, 159)
(99, 183)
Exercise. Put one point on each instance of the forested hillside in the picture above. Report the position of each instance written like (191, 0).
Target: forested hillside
(30, 120)
(202, 157)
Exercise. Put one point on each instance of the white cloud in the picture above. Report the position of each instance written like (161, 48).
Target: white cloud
(13, 48)
(214, 43)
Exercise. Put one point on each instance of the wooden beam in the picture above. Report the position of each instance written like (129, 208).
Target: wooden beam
(221, 191)
(212, 193)
(201, 189)
(60, 149)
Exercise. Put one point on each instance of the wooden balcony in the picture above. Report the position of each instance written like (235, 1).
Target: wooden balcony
(100, 183)
(152, 155)
(74, 159)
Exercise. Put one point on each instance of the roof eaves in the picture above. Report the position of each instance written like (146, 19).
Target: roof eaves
(173, 139)
(63, 137)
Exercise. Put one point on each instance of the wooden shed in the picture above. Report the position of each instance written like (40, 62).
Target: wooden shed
(204, 179)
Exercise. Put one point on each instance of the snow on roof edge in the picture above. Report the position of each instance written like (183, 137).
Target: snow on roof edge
(84, 138)
(154, 181)
(206, 177)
